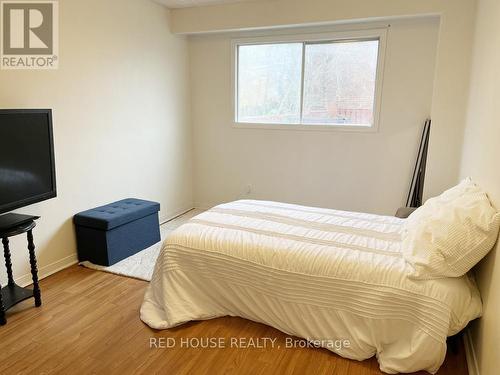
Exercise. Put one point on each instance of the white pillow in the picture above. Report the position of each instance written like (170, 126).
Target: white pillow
(450, 233)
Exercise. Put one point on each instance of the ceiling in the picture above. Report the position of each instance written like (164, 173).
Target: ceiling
(195, 3)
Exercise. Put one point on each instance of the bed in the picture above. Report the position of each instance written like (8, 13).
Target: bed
(320, 274)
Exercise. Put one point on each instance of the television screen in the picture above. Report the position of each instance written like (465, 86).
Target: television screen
(27, 173)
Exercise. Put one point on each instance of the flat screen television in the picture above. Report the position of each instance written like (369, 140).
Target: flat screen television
(27, 165)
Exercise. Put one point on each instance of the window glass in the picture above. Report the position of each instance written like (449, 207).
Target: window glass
(339, 83)
(269, 83)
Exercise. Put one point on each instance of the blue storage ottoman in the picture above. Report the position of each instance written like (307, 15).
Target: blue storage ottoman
(110, 233)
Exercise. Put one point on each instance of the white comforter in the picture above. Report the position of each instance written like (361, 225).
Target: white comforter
(315, 273)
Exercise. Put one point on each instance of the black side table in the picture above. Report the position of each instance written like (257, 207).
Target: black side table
(11, 294)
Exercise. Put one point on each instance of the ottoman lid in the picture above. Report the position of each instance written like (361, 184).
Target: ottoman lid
(115, 214)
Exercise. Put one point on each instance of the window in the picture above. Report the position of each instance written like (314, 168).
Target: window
(331, 80)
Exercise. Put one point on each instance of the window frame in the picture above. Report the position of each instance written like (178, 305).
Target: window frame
(379, 34)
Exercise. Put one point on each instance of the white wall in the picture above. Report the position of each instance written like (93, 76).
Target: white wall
(367, 172)
(481, 161)
(120, 102)
(452, 64)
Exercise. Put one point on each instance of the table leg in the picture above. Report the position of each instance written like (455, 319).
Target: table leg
(3, 321)
(34, 270)
(8, 262)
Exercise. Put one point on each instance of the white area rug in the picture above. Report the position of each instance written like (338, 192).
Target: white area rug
(140, 265)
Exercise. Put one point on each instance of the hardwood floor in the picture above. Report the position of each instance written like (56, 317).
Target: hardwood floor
(89, 324)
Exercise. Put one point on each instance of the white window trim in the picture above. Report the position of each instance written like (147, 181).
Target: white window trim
(355, 35)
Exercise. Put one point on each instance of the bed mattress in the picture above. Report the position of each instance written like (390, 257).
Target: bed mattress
(319, 274)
